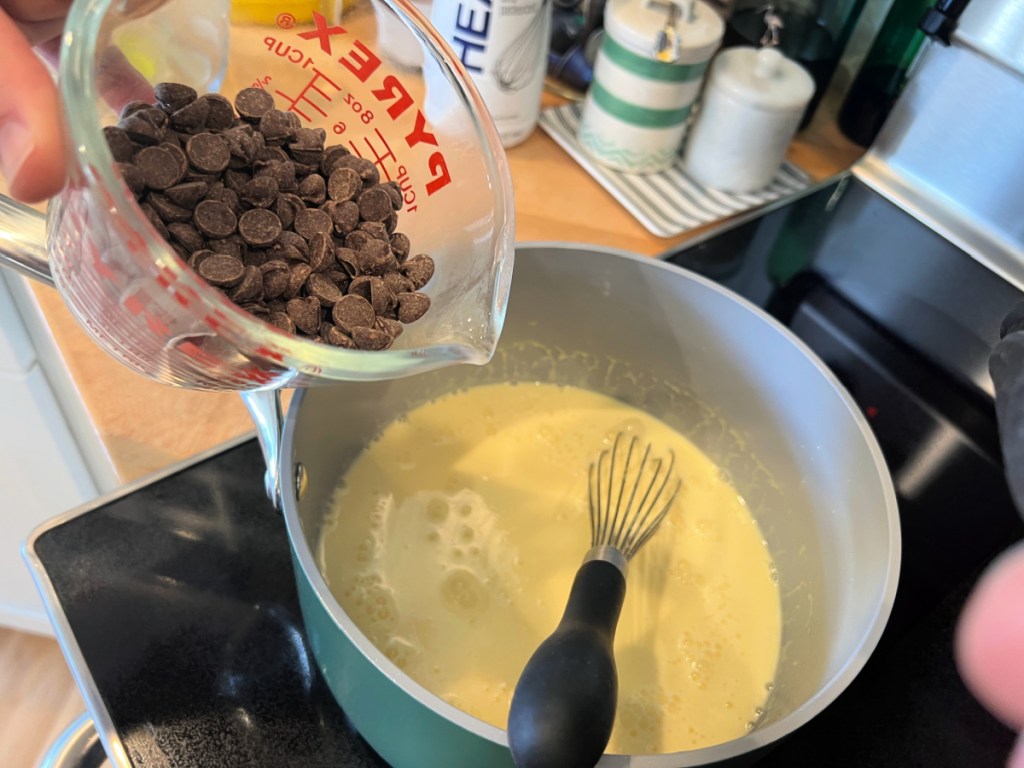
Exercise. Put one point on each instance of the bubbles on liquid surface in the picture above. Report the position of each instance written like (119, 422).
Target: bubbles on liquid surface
(463, 594)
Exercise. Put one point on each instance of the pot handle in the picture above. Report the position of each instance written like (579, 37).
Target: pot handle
(268, 414)
(23, 240)
(77, 747)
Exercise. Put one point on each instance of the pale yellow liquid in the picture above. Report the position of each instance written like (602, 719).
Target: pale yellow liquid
(455, 537)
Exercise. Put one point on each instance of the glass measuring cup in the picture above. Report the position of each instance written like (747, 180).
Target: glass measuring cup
(427, 129)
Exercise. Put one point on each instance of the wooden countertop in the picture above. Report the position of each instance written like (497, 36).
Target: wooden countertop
(146, 426)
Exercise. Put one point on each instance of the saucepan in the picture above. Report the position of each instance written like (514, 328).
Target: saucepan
(739, 385)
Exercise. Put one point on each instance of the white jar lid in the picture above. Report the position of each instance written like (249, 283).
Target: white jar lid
(763, 78)
(636, 24)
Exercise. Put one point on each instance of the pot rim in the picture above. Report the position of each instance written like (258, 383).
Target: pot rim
(759, 737)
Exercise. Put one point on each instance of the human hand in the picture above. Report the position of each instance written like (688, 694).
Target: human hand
(31, 134)
(990, 643)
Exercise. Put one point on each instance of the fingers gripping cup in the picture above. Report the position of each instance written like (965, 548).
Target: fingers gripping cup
(116, 242)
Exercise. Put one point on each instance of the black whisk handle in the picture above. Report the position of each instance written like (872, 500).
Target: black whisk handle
(563, 707)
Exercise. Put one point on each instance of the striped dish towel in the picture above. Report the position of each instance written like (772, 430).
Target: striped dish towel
(667, 203)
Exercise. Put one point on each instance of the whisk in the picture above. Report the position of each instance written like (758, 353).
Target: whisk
(516, 66)
(563, 706)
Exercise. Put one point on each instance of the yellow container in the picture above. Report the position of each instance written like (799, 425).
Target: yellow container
(267, 11)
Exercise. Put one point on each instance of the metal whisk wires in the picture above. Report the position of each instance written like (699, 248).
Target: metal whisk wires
(629, 495)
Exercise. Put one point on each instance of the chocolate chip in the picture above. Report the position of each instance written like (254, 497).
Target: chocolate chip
(187, 235)
(208, 152)
(343, 184)
(250, 287)
(258, 310)
(336, 337)
(312, 189)
(133, 177)
(323, 289)
(167, 210)
(390, 326)
(222, 194)
(412, 306)
(174, 96)
(376, 230)
(375, 257)
(345, 217)
(232, 246)
(297, 241)
(275, 283)
(175, 151)
(189, 194)
(370, 338)
(308, 146)
(357, 239)
(305, 312)
(374, 204)
(154, 115)
(352, 312)
(235, 179)
(282, 321)
(198, 257)
(348, 260)
(400, 246)
(367, 170)
(259, 227)
(221, 270)
(214, 219)
(260, 192)
(269, 155)
(192, 117)
(252, 103)
(132, 107)
(374, 290)
(140, 130)
(398, 283)
(395, 193)
(276, 125)
(287, 206)
(121, 146)
(310, 221)
(331, 155)
(419, 269)
(159, 167)
(296, 279)
(221, 115)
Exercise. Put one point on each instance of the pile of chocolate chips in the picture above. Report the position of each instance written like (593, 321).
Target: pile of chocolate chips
(300, 235)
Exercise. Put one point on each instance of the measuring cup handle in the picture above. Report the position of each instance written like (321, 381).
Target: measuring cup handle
(23, 240)
(267, 413)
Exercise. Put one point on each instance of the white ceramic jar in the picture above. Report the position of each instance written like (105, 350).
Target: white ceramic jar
(638, 106)
(750, 110)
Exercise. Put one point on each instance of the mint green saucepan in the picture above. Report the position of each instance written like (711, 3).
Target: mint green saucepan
(738, 384)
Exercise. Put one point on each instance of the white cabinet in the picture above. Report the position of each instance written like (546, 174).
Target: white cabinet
(42, 469)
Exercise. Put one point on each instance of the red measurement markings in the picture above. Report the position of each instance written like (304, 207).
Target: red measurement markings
(314, 89)
(387, 89)
(378, 150)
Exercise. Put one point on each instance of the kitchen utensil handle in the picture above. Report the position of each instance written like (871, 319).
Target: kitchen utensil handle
(563, 706)
(23, 240)
(78, 746)
(1006, 366)
(268, 415)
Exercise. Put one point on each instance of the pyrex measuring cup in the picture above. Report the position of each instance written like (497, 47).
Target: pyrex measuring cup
(425, 128)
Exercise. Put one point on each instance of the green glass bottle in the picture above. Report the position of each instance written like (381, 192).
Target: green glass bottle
(884, 72)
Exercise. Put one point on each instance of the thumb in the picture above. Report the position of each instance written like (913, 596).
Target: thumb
(31, 136)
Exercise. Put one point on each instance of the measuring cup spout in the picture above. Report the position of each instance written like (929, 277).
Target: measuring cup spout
(23, 240)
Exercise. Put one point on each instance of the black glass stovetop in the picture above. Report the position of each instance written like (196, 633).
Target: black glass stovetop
(175, 601)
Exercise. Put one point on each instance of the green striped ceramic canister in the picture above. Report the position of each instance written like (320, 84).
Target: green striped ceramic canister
(638, 107)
